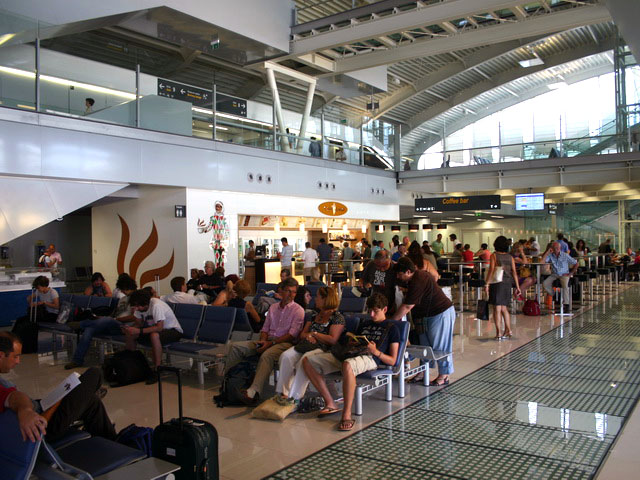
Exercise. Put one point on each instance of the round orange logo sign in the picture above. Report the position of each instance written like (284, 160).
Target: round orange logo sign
(332, 209)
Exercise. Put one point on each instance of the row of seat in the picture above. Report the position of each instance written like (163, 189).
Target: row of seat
(77, 455)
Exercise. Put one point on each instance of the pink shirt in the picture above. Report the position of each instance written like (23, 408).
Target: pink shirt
(281, 321)
(56, 256)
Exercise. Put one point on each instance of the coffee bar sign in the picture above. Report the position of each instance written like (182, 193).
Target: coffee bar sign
(332, 209)
(451, 204)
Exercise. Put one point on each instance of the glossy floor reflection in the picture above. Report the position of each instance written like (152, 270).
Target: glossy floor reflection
(551, 409)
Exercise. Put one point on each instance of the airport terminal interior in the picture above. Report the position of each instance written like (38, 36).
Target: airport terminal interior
(240, 192)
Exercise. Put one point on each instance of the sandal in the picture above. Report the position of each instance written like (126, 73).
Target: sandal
(434, 383)
(325, 412)
(346, 425)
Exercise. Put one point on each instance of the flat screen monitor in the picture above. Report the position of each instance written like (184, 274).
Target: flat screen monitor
(260, 251)
(530, 201)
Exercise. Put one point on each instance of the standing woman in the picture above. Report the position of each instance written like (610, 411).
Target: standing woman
(417, 257)
(583, 251)
(500, 292)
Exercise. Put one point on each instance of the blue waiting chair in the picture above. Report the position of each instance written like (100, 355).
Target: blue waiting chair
(352, 305)
(190, 317)
(17, 457)
(242, 325)
(214, 331)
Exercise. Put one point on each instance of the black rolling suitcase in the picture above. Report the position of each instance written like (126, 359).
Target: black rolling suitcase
(192, 444)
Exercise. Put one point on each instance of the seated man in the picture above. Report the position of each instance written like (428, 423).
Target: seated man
(104, 325)
(155, 325)
(560, 262)
(281, 328)
(179, 294)
(82, 403)
(384, 340)
(46, 297)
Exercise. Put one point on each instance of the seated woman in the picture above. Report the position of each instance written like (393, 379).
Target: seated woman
(98, 287)
(384, 341)
(316, 274)
(45, 299)
(526, 278)
(222, 300)
(316, 337)
(303, 298)
(194, 281)
(429, 256)
(236, 298)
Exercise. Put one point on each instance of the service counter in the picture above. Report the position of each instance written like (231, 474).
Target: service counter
(267, 270)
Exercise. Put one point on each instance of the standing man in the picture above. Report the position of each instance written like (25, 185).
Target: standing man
(347, 255)
(250, 256)
(401, 252)
(379, 276)
(315, 147)
(82, 403)
(281, 328)
(309, 257)
(560, 262)
(438, 246)
(432, 308)
(55, 258)
(286, 255)
(324, 254)
(564, 246)
(375, 248)
(454, 239)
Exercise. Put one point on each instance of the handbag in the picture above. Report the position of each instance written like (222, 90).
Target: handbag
(305, 346)
(498, 273)
(482, 310)
(347, 347)
(524, 272)
(531, 308)
(275, 408)
(64, 313)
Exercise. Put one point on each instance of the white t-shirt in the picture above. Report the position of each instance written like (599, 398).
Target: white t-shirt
(48, 297)
(285, 256)
(159, 311)
(309, 257)
(179, 297)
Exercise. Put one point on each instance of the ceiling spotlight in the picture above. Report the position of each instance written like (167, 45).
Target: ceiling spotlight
(531, 62)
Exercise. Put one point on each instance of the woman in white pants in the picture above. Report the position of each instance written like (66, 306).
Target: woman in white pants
(317, 336)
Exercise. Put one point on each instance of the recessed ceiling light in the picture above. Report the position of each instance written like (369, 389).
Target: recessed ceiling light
(531, 62)
(436, 211)
(481, 220)
(496, 216)
(469, 214)
(447, 221)
(457, 218)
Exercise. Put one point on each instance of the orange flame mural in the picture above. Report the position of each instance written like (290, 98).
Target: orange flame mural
(143, 252)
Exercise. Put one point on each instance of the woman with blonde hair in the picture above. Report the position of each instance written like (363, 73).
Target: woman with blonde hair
(317, 336)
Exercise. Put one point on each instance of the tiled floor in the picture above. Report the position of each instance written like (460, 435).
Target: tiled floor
(550, 410)
(530, 414)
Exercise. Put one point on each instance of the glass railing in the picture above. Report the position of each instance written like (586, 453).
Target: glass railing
(88, 90)
(570, 147)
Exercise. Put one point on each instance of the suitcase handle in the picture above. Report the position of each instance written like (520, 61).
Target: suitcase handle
(175, 370)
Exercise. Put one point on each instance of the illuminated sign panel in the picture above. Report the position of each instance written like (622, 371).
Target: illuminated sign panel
(451, 204)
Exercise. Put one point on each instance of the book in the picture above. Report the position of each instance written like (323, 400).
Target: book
(358, 339)
(61, 391)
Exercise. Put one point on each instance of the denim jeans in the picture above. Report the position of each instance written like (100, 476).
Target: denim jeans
(438, 334)
(102, 325)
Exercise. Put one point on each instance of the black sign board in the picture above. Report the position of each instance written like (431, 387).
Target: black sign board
(186, 93)
(552, 208)
(450, 204)
(442, 226)
(181, 211)
(232, 105)
(201, 97)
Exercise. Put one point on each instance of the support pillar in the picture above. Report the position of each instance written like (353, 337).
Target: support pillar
(305, 117)
(271, 77)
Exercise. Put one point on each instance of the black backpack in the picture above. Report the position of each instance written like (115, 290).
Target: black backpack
(238, 378)
(126, 367)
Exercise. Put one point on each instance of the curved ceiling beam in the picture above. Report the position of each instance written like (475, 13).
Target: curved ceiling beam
(445, 73)
(419, 146)
(504, 78)
(473, 38)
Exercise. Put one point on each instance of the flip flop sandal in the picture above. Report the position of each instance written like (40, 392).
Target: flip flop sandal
(346, 425)
(435, 383)
(325, 412)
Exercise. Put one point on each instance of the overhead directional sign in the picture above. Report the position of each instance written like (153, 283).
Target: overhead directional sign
(186, 93)
(201, 97)
(450, 204)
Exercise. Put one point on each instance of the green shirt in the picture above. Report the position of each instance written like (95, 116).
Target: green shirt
(437, 247)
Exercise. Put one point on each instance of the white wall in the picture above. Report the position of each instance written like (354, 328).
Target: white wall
(200, 206)
(155, 204)
(266, 21)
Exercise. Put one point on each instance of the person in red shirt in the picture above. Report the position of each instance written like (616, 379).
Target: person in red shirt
(467, 255)
(82, 403)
